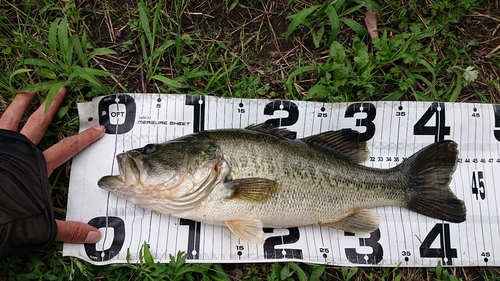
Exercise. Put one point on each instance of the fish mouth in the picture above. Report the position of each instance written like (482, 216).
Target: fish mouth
(130, 172)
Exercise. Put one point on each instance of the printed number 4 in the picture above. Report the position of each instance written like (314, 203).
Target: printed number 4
(439, 130)
(478, 185)
(445, 252)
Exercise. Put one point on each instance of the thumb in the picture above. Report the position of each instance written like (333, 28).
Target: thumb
(77, 232)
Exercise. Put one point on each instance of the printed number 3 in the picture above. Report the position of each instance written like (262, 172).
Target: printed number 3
(367, 122)
(374, 258)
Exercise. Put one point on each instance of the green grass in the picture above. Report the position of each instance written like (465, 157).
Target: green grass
(310, 50)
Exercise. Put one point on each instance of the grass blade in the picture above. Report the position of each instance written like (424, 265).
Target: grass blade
(96, 72)
(429, 67)
(339, 4)
(350, 10)
(19, 71)
(54, 89)
(358, 28)
(46, 73)
(75, 42)
(38, 87)
(317, 272)
(64, 46)
(148, 258)
(38, 62)
(458, 89)
(158, 52)
(169, 82)
(86, 75)
(370, 5)
(36, 44)
(155, 19)
(300, 273)
(143, 17)
(299, 18)
(299, 71)
(53, 38)
(101, 52)
(331, 13)
(432, 89)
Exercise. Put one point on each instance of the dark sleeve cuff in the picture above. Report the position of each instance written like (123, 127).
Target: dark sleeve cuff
(26, 214)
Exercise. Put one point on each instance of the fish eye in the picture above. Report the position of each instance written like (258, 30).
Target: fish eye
(148, 149)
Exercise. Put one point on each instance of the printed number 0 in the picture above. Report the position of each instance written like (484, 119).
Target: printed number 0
(118, 226)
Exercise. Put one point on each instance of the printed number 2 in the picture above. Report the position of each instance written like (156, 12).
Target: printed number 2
(445, 252)
(478, 185)
(270, 252)
(288, 106)
(439, 130)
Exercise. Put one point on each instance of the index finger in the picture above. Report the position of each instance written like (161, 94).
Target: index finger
(12, 116)
(64, 150)
(37, 123)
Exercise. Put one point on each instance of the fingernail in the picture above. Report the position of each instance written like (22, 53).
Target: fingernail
(101, 129)
(93, 237)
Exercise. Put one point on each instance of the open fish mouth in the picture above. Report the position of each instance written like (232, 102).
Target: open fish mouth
(128, 168)
(129, 174)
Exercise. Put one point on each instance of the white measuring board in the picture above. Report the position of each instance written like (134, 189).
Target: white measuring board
(393, 131)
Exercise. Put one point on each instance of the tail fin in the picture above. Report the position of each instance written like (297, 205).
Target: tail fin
(430, 171)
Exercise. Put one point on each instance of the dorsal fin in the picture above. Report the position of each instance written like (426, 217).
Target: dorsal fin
(271, 129)
(345, 141)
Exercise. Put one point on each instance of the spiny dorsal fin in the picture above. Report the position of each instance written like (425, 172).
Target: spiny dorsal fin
(344, 142)
(271, 129)
(253, 189)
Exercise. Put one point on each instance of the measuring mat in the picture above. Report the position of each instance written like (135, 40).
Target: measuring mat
(393, 131)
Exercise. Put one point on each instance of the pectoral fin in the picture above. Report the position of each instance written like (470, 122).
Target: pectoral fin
(359, 221)
(252, 189)
(248, 230)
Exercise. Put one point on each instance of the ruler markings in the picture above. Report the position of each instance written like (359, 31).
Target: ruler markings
(397, 138)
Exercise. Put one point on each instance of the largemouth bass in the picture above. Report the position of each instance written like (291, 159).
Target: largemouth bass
(247, 179)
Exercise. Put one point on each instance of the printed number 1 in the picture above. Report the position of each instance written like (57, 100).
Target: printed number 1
(193, 247)
(199, 111)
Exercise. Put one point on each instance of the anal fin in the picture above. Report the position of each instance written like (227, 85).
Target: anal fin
(248, 230)
(359, 221)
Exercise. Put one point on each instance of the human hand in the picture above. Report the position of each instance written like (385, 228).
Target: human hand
(56, 155)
